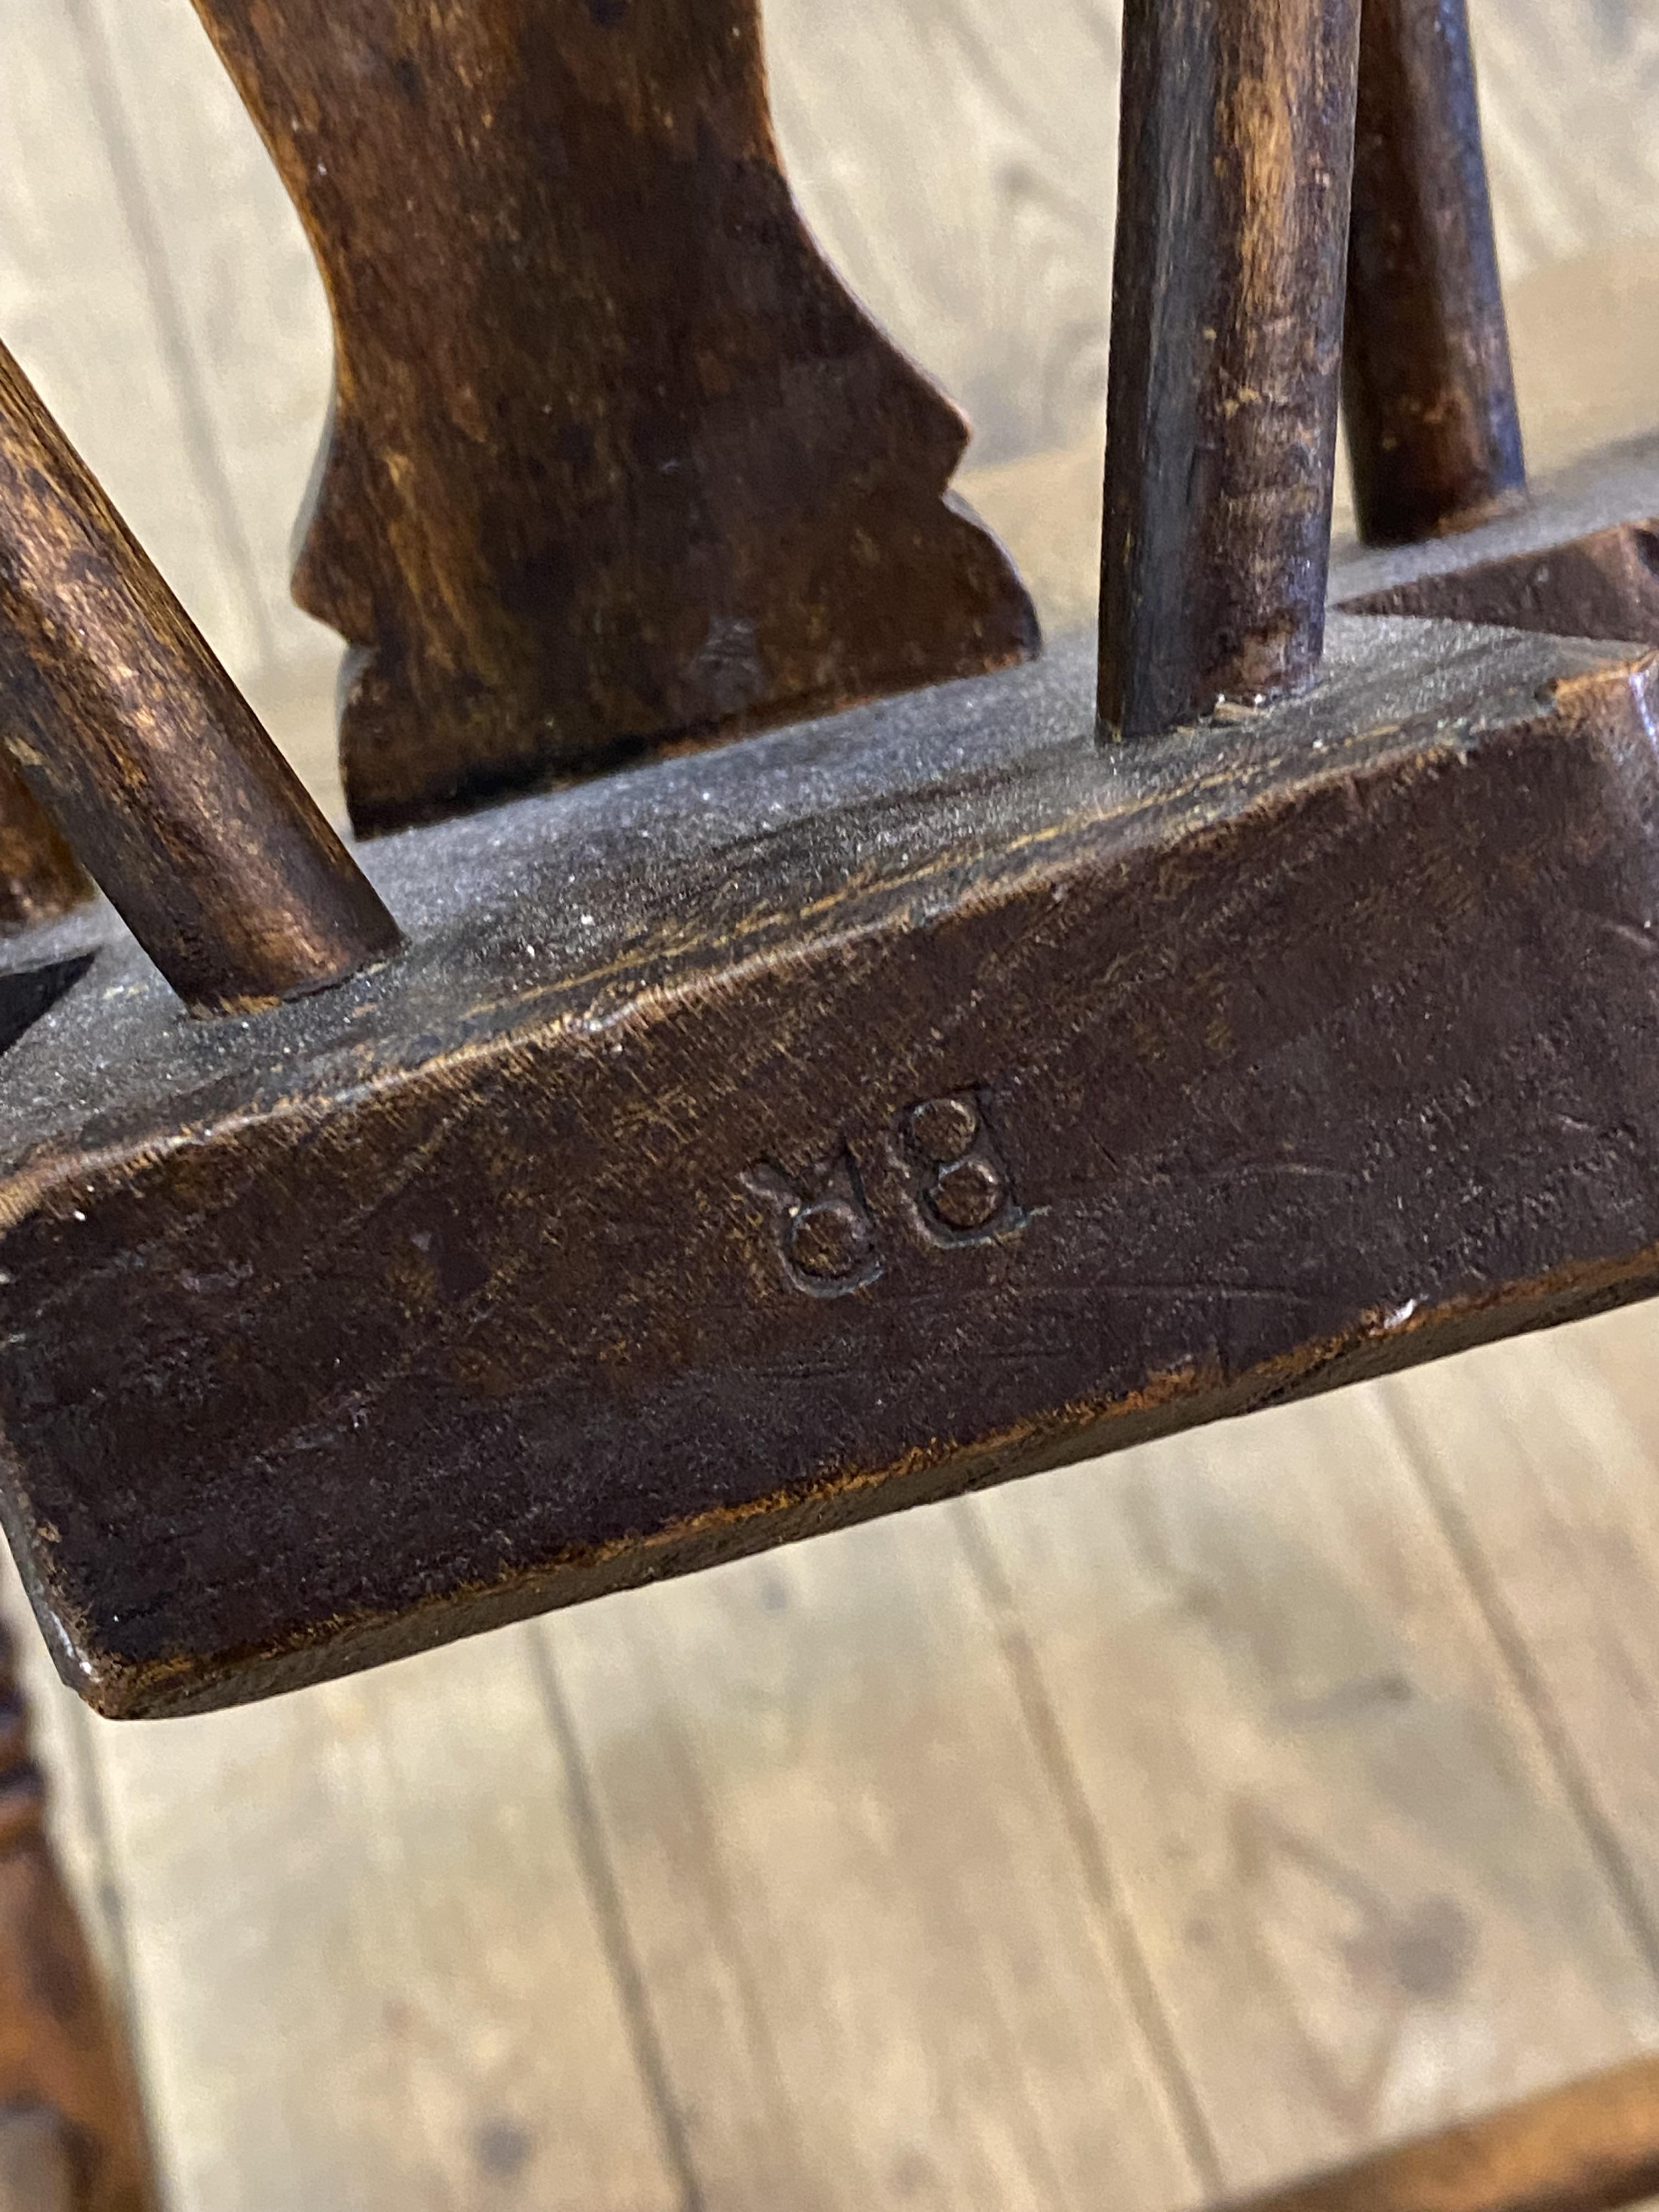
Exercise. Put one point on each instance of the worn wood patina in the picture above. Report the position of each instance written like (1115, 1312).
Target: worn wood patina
(1074, 1096)
(912, 1100)
(898, 1102)
(1581, 560)
(136, 744)
(1428, 393)
(616, 458)
(1233, 203)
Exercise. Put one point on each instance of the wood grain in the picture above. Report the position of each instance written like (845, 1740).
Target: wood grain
(67, 2099)
(1300, 1746)
(1428, 394)
(962, 180)
(879, 1970)
(377, 1976)
(1234, 160)
(962, 184)
(1541, 1470)
(615, 459)
(1603, 584)
(136, 743)
(961, 171)
(1580, 558)
(1566, 94)
(980, 1099)
(81, 309)
(248, 327)
(1584, 339)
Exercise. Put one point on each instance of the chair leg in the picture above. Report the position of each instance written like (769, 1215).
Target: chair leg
(1592, 2147)
(71, 2135)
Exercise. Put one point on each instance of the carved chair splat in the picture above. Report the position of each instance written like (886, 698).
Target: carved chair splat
(1087, 1045)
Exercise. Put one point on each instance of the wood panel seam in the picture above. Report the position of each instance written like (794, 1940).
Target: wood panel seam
(1492, 1607)
(979, 1545)
(615, 1936)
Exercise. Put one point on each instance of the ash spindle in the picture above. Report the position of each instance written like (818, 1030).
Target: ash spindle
(1226, 343)
(1428, 393)
(145, 754)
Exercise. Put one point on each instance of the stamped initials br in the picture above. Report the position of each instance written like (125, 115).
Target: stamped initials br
(950, 1187)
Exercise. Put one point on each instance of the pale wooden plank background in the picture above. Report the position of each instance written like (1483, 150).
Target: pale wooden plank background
(1140, 1832)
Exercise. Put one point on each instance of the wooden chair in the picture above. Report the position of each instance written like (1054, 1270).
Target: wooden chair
(789, 1050)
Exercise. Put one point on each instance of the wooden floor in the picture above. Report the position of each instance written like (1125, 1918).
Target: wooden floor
(1135, 1835)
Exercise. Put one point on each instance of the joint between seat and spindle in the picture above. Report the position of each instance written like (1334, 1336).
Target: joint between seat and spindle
(1233, 206)
(141, 751)
(1304, 216)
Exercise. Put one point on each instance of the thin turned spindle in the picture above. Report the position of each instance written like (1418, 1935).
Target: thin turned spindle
(1428, 394)
(1232, 229)
(145, 754)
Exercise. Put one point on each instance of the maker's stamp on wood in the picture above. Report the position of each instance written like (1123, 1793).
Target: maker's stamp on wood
(945, 1180)
(958, 1181)
(826, 1236)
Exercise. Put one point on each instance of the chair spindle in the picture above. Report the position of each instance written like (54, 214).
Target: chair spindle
(142, 750)
(1233, 208)
(1428, 393)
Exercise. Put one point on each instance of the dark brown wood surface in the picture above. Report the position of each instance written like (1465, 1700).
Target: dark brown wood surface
(72, 2136)
(1580, 559)
(1591, 2147)
(1434, 437)
(135, 742)
(1235, 153)
(1605, 584)
(615, 458)
(1075, 1094)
